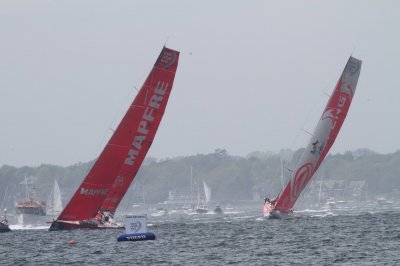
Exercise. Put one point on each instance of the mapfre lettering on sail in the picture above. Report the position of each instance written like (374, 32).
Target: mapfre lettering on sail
(108, 180)
(93, 192)
(148, 117)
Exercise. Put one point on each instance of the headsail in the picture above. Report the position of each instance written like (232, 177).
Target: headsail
(114, 170)
(146, 112)
(324, 135)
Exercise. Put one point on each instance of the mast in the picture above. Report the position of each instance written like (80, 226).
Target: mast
(282, 182)
(191, 186)
(4, 198)
(110, 177)
(324, 135)
(198, 194)
(26, 189)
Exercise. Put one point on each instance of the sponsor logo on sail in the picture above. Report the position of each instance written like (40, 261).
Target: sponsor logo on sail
(353, 66)
(167, 58)
(333, 113)
(94, 192)
(317, 147)
(348, 89)
(301, 179)
(145, 124)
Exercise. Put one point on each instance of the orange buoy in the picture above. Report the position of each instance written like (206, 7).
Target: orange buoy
(72, 242)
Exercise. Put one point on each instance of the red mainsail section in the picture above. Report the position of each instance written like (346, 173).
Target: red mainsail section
(148, 110)
(114, 170)
(324, 136)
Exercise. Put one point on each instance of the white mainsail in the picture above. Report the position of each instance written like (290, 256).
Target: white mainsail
(55, 206)
(207, 191)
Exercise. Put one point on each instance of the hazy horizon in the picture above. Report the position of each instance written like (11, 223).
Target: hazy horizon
(252, 75)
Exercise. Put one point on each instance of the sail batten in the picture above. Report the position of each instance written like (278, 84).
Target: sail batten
(323, 137)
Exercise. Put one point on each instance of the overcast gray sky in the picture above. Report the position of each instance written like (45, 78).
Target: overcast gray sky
(252, 74)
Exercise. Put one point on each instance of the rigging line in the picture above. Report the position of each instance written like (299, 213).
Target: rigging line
(166, 41)
(315, 108)
(308, 132)
(287, 168)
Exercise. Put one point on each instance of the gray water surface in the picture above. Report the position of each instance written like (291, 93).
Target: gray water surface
(241, 239)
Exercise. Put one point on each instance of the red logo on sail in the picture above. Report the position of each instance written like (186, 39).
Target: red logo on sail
(167, 59)
(300, 180)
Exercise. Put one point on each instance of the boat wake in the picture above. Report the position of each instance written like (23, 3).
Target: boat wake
(232, 212)
(322, 215)
(28, 227)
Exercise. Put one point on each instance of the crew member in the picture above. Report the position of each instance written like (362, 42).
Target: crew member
(273, 202)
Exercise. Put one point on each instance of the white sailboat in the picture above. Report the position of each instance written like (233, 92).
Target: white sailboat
(202, 206)
(4, 221)
(207, 192)
(55, 203)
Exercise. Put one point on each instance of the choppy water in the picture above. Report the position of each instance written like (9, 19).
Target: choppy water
(317, 238)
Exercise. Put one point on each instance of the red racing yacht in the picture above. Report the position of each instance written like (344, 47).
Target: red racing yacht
(321, 141)
(94, 203)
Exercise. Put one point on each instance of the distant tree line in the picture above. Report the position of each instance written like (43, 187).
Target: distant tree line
(231, 178)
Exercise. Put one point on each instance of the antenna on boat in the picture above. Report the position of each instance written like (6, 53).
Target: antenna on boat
(166, 41)
(352, 52)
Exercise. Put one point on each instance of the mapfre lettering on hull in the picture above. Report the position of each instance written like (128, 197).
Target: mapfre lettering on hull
(94, 192)
(148, 117)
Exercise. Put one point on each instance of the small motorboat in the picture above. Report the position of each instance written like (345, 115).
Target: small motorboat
(218, 210)
(202, 209)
